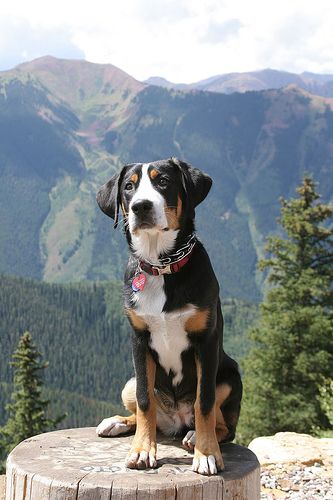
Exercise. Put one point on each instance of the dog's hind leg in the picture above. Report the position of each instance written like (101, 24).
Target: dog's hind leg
(222, 392)
(116, 425)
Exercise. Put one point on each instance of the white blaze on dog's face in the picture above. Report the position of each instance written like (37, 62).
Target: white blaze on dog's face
(144, 218)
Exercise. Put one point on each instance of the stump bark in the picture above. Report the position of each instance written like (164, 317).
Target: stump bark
(75, 464)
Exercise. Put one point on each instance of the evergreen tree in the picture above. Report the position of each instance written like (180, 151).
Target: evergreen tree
(27, 412)
(292, 352)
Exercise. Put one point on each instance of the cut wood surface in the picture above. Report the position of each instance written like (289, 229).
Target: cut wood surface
(2, 487)
(76, 464)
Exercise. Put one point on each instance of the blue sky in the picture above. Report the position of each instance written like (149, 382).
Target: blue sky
(181, 40)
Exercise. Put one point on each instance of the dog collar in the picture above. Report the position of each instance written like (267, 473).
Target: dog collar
(172, 263)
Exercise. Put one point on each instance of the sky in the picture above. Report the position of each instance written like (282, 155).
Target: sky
(180, 40)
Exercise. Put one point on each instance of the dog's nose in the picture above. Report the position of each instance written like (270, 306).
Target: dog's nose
(142, 207)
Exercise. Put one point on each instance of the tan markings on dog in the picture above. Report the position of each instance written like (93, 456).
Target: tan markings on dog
(206, 441)
(198, 321)
(134, 178)
(136, 321)
(173, 215)
(179, 208)
(145, 435)
(153, 173)
(128, 395)
(222, 392)
(130, 420)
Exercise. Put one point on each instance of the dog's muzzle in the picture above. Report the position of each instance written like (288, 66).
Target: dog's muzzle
(143, 211)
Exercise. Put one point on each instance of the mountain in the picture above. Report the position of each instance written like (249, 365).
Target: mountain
(162, 82)
(82, 332)
(321, 85)
(67, 126)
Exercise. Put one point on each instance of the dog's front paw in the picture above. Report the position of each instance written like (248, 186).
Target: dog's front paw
(189, 440)
(207, 464)
(142, 458)
(113, 426)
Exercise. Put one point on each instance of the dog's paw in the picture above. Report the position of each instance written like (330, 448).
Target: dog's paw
(189, 440)
(142, 459)
(207, 464)
(112, 426)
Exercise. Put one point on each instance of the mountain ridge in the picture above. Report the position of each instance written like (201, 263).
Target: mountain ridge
(57, 148)
(264, 79)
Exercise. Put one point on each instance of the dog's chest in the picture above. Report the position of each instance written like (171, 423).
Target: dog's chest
(152, 298)
(168, 337)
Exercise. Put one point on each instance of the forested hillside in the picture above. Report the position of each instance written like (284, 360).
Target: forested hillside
(67, 126)
(82, 332)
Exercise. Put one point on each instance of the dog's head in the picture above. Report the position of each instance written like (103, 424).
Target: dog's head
(157, 196)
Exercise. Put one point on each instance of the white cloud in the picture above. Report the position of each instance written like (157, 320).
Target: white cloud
(221, 32)
(182, 40)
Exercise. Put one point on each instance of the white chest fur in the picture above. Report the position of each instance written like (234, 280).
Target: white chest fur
(169, 339)
(167, 330)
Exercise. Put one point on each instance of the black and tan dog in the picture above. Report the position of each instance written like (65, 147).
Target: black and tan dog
(184, 381)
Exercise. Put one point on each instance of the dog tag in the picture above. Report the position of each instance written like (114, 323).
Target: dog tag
(139, 282)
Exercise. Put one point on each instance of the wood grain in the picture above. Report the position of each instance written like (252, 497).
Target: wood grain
(76, 464)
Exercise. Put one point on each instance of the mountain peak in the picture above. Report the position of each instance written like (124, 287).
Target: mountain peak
(77, 80)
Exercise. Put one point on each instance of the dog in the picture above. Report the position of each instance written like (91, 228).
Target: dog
(184, 381)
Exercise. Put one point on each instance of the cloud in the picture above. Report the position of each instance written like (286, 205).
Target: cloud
(19, 41)
(155, 12)
(182, 40)
(221, 32)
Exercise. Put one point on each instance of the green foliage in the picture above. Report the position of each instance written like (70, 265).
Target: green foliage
(238, 316)
(293, 339)
(80, 410)
(27, 411)
(81, 329)
(326, 399)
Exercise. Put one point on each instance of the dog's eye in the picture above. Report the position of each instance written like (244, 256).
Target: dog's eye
(129, 186)
(163, 181)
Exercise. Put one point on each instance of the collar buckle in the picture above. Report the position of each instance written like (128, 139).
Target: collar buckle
(162, 270)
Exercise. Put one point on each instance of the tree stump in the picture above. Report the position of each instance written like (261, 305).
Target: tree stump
(75, 464)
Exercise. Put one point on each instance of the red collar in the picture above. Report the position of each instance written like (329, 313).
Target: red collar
(172, 263)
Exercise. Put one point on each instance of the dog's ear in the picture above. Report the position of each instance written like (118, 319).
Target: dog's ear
(196, 184)
(109, 195)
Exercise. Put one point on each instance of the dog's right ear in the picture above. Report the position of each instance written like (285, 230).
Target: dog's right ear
(109, 196)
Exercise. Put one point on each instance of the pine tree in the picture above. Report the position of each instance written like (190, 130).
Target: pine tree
(27, 411)
(292, 352)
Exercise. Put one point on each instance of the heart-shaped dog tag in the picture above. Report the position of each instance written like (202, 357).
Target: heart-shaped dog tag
(139, 282)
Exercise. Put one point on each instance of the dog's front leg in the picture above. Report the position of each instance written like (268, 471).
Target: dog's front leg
(207, 455)
(143, 450)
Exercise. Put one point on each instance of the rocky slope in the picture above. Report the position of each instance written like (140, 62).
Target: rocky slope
(295, 466)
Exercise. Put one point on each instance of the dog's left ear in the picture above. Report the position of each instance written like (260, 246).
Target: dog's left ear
(196, 184)
(109, 196)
